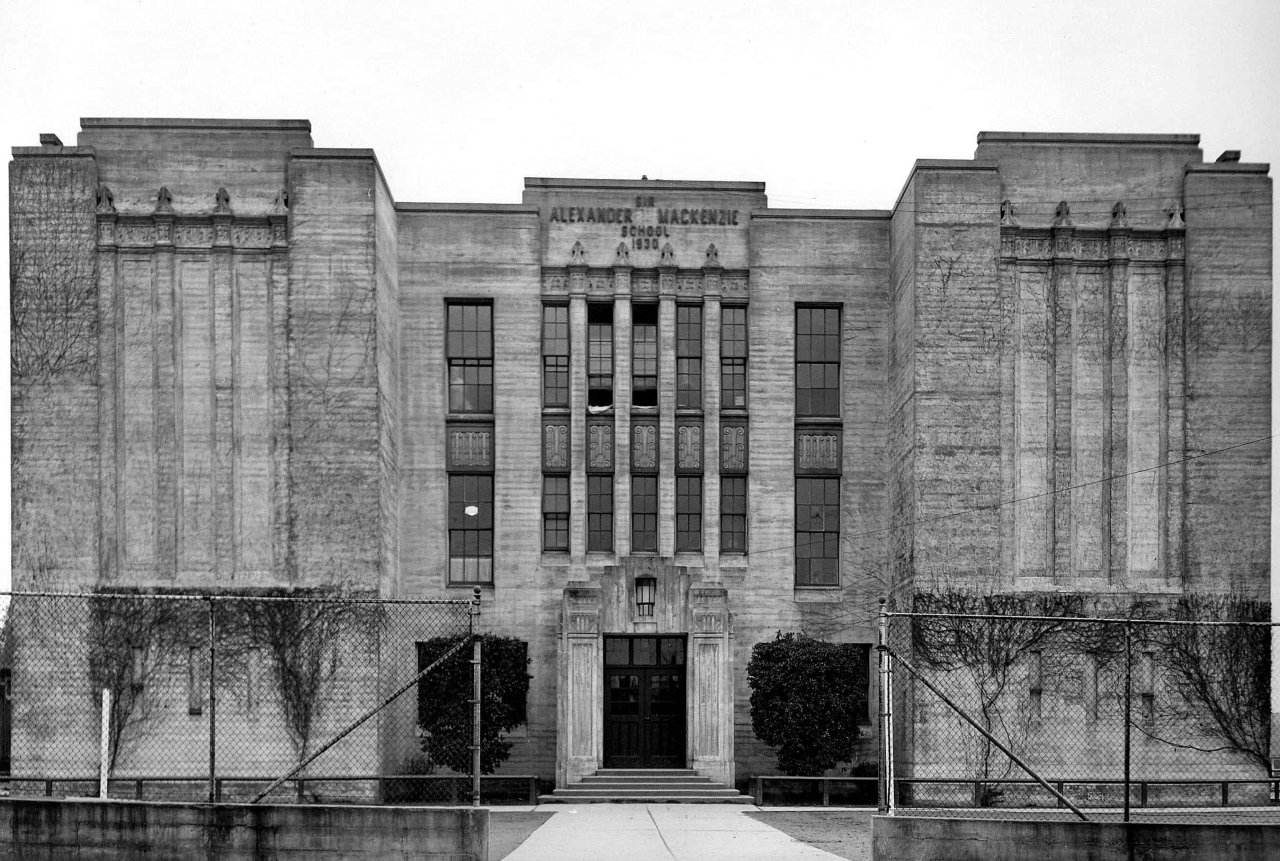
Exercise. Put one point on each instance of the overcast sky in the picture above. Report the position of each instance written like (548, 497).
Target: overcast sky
(829, 103)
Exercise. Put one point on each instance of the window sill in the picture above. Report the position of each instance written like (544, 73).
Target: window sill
(816, 594)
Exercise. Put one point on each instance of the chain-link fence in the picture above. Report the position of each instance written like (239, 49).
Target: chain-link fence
(219, 697)
(1102, 719)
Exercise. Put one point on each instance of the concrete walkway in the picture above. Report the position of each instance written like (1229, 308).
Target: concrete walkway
(660, 832)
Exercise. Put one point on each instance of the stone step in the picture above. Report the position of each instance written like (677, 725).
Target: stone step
(663, 798)
(615, 779)
(647, 787)
(645, 772)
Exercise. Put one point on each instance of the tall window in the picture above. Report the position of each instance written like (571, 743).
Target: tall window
(818, 362)
(817, 531)
(733, 358)
(689, 512)
(818, 446)
(469, 350)
(470, 528)
(689, 357)
(555, 356)
(644, 513)
(555, 512)
(599, 356)
(600, 512)
(733, 514)
(644, 356)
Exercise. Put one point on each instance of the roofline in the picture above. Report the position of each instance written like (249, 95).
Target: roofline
(1098, 138)
(194, 123)
(822, 214)
(469, 208)
(942, 164)
(550, 182)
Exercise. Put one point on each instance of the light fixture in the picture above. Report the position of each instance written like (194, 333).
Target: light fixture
(646, 594)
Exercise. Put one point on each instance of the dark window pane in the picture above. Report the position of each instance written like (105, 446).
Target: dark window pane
(671, 651)
(617, 651)
(600, 512)
(471, 528)
(817, 519)
(688, 512)
(644, 651)
(733, 514)
(644, 513)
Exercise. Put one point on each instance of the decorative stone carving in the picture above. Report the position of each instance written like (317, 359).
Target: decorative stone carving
(194, 236)
(668, 257)
(555, 446)
(577, 255)
(708, 624)
(737, 285)
(713, 257)
(251, 236)
(1006, 214)
(689, 283)
(1173, 209)
(584, 623)
(135, 234)
(645, 283)
(1118, 216)
(689, 447)
(1062, 216)
(818, 451)
(1177, 247)
(644, 447)
(106, 201)
(733, 448)
(471, 448)
(107, 232)
(164, 229)
(164, 200)
(600, 446)
(622, 256)
(281, 205)
(222, 202)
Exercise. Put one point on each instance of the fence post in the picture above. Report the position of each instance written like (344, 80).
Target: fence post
(885, 772)
(213, 709)
(475, 699)
(1128, 706)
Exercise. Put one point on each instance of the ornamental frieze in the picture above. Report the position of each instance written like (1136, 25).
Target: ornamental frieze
(689, 447)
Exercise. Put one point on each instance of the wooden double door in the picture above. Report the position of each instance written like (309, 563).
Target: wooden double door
(644, 702)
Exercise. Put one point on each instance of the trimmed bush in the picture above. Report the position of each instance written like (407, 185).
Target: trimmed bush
(807, 698)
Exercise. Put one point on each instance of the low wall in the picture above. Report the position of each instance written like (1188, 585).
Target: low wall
(921, 838)
(32, 828)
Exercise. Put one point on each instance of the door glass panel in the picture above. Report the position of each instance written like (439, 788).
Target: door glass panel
(672, 652)
(624, 695)
(616, 652)
(644, 651)
(665, 695)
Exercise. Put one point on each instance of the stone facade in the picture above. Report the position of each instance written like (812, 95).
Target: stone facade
(233, 372)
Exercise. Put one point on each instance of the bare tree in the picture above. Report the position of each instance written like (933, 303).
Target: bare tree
(984, 653)
(136, 642)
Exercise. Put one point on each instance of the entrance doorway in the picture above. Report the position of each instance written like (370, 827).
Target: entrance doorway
(644, 710)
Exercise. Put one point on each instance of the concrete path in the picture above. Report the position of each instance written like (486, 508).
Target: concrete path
(660, 832)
